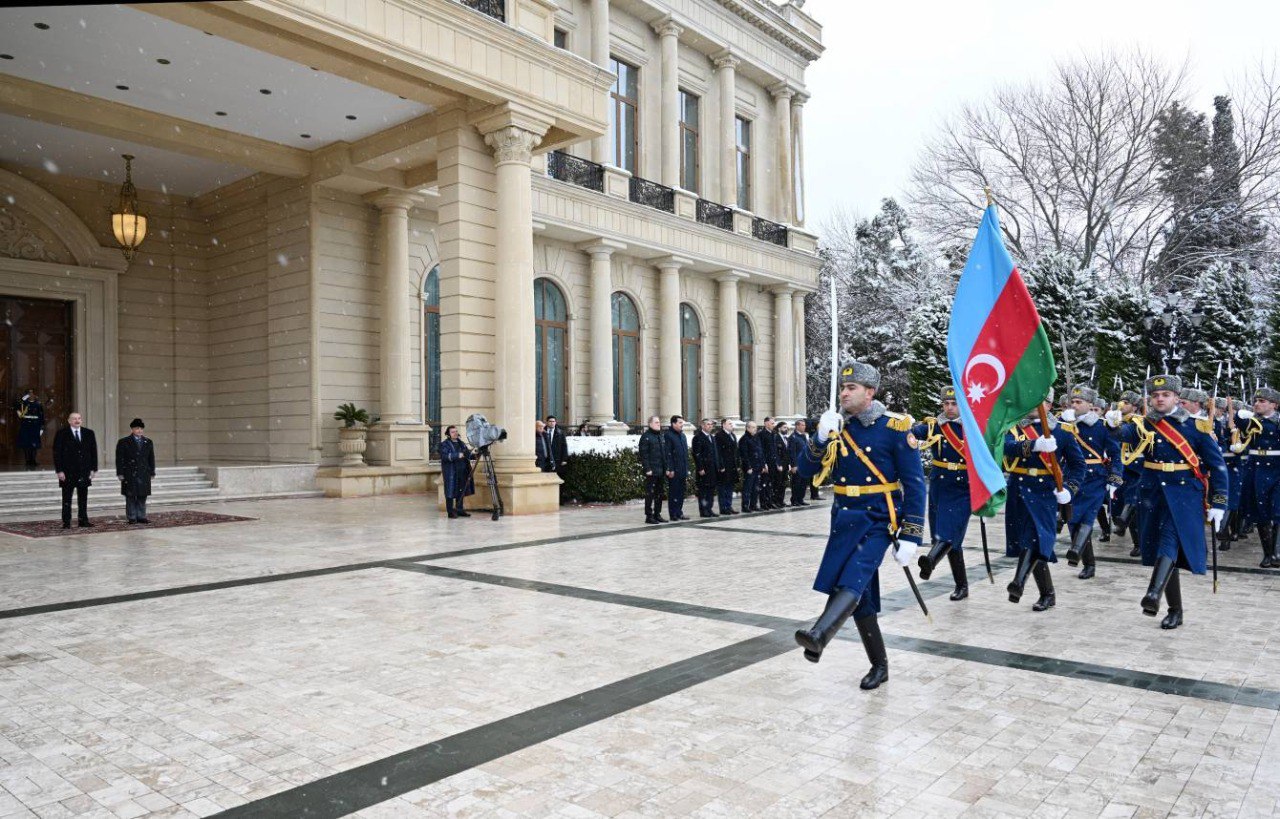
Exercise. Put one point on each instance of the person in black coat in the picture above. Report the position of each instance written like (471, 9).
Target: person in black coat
(751, 453)
(30, 426)
(727, 474)
(706, 464)
(541, 447)
(455, 469)
(135, 467)
(557, 446)
(812, 429)
(677, 451)
(653, 462)
(798, 442)
(770, 478)
(75, 459)
(782, 477)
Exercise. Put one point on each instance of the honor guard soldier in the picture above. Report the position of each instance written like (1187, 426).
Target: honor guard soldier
(879, 499)
(1031, 508)
(1262, 472)
(1227, 427)
(943, 438)
(1126, 511)
(30, 426)
(1183, 476)
(1101, 478)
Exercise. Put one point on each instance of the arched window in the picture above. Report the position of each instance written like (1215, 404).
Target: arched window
(551, 339)
(746, 365)
(690, 363)
(431, 351)
(626, 360)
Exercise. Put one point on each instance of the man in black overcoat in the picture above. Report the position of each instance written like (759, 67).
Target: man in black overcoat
(75, 459)
(708, 468)
(727, 471)
(135, 467)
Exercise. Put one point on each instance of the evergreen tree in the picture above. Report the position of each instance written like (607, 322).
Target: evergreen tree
(1226, 332)
(1182, 145)
(1120, 339)
(1067, 299)
(926, 355)
(1232, 230)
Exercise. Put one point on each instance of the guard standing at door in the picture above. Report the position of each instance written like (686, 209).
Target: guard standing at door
(30, 426)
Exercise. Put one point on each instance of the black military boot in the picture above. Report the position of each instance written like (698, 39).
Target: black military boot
(1079, 535)
(960, 574)
(1159, 579)
(1228, 535)
(1044, 583)
(1266, 534)
(1104, 524)
(929, 562)
(815, 638)
(1019, 582)
(1090, 562)
(1124, 520)
(873, 642)
(1173, 593)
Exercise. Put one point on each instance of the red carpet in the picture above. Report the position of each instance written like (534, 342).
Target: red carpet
(116, 523)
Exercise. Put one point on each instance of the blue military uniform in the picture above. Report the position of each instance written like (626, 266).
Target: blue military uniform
(455, 469)
(949, 506)
(1262, 477)
(1226, 429)
(1173, 497)
(30, 427)
(1102, 468)
(879, 498)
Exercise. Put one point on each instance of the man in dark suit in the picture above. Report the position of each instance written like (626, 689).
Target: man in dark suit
(798, 441)
(677, 449)
(541, 448)
(557, 446)
(727, 470)
(707, 464)
(75, 459)
(135, 467)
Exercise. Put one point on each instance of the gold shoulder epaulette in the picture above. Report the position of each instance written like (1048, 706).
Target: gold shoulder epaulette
(899, 422)
(1204, 425)
(1067, 425)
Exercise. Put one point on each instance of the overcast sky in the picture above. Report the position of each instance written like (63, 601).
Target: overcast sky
(893, 71)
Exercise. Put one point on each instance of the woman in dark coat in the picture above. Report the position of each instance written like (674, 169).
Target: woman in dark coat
(455, 469)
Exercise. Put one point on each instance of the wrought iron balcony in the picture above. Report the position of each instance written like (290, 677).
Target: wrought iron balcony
(497, 9)
(652, 194)
(768, 231)
(575, 171)
(715, 214)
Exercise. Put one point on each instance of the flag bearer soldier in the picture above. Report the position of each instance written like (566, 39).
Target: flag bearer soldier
(1127, 512)
(1031, 508)
(1183, 476)
(1231, 419)
(1101, 477)
(1262, 473)
(879, 500)
(943, 438)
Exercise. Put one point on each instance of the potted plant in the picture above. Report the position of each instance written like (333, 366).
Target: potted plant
(351, 436)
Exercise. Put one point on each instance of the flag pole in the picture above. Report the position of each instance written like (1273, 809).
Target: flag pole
(835, 363)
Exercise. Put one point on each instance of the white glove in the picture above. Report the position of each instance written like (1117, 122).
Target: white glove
(830, 422)
(1111, 491)
(1237, 448)
(1113, 418)
(1244, 414)
(1063, 496)
(905, 553)
(1068, 416)
(1046, 445)
(1215, 518)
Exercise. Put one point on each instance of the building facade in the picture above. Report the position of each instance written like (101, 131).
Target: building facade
(424, 207)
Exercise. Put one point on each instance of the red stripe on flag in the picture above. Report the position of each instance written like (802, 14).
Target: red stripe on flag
(979, 494)
(1005, 335)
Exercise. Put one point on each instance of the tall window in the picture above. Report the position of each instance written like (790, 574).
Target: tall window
(689, 172)
(561, 40)
(746, 364)
(431, 351)
(690, 363)
(551, 336)
(623, 112)
(626, 360)
(742, 128)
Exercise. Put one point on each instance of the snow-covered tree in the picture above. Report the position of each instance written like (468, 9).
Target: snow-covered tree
(1120, 339)
(1221, 294)
(926, 354)
(1067, 299)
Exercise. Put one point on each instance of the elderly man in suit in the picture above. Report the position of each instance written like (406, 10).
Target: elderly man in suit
(75, 459)
(135, 467)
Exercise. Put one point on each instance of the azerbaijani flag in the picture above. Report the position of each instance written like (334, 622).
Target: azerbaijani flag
(1000, 359)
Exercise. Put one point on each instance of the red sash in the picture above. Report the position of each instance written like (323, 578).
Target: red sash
(1032, 433)
(955, 442)
(1183, 446)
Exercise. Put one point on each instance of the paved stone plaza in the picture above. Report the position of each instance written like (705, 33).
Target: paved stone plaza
(367, 656)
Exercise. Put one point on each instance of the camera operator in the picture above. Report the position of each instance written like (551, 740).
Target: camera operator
(455, 469)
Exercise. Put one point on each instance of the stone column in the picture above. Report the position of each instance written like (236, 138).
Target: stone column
(669, 32)
(728, 309)
(669, 383)
(797, 139)
(726, 75)
(784, 392)
(601, 332)
(782, 96)
(797, 322)
(600, 56)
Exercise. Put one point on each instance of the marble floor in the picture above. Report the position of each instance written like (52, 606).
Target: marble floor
(368, 657)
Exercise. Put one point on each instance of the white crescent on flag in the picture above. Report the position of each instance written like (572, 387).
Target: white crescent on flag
(977, 391)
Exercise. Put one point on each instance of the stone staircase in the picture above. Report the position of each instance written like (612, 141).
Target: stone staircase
(36, 494)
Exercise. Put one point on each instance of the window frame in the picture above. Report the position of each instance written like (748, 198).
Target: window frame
(540, 327)
(431, 384)
(692, 405)
(746, 367)
(742, 165)
(686, 132)
(618, 103)
(619, 338)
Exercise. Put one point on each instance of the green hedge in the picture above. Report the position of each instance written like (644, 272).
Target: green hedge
(614, 478)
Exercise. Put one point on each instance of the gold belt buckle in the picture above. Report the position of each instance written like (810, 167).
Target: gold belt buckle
(1167, 467)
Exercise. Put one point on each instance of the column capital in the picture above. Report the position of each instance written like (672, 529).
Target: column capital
(727, 276)
(783, 289)
(601, 247)
(512, 143)
(511, 130)
(782, 90)
(725, 59)
(800, 99)
(668, 27)
(672, 263)
(387, 199)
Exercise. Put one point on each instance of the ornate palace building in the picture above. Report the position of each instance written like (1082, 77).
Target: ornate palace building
(427, 208)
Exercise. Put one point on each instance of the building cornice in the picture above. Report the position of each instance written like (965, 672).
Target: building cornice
(771, 22)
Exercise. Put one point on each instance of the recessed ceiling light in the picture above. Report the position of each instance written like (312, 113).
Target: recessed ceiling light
(122, 88)
(219, 113)
(305, 136)
(42, 26)
(162, 61)
(264, 90)
(6, 56)
(351, 116)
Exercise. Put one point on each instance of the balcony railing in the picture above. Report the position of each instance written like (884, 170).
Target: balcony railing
(768, 231)
(715, 214)
(497, 9)
(575, 171)
(652, 194)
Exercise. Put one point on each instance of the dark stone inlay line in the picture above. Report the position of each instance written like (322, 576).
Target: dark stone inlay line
(217, 585)
(741, 530)
(1228, 569)
(392, 776)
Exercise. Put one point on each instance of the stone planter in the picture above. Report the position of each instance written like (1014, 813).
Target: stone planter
(351, 444)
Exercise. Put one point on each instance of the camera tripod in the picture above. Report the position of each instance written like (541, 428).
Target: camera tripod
(482, 455)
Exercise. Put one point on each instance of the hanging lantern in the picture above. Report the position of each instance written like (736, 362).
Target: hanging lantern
(129, 226)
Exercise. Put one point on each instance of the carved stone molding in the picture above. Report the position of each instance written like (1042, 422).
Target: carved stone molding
(512, 144)
(18, 241)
